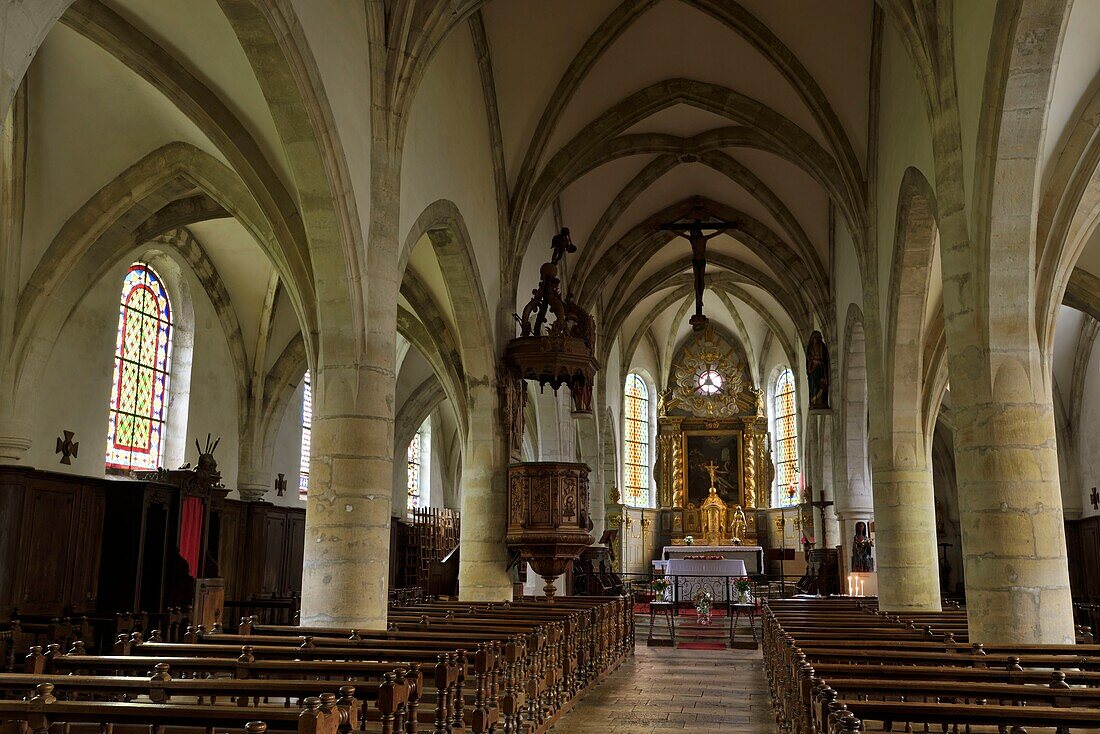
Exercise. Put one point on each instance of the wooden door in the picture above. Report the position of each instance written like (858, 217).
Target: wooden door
(273, 558)
(231, 546)
(1090, 557)
(295, 552)
(87, 549)
(46, 545)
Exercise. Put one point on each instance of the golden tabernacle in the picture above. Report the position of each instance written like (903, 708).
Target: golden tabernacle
(713, 466)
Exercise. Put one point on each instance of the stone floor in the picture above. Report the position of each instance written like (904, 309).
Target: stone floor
(664, 689)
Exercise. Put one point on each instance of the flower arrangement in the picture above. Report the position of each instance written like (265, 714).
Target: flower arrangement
(703, 604)
(659, 586)
(703, 558)
(742, 585)
(689, 540)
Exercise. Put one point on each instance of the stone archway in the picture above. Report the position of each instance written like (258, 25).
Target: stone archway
(904, 503)
(482, 572)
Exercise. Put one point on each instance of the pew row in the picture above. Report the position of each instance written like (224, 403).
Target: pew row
(840, 665)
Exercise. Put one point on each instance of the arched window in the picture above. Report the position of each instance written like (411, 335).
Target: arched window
(636, 441)
(139, 392)
(419, 457)
(786, 444)
(307, 434)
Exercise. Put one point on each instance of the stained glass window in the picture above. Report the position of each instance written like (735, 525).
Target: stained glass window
(636, 441)
(786, 445)
(419, 457)
(307, 434)
(139, 390)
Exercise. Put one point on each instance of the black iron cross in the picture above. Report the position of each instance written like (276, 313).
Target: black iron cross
(280, 485)
(67, 447)
(1095, 496)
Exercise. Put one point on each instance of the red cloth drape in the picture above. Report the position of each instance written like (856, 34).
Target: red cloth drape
(191, 533)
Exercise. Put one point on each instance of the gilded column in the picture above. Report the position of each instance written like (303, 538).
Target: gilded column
(748, 447)
(762, 499)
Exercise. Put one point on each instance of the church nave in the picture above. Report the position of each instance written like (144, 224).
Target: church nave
(465, 366)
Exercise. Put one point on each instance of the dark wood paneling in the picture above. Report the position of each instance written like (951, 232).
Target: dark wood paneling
(87, 549)
(49, 518)
(295, 551)
(1090, 558)
(274, 550)
(230, 545)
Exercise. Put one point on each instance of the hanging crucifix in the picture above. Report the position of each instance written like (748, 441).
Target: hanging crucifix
(698, 232)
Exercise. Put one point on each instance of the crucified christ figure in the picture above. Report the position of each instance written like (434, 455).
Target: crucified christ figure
(694, 232)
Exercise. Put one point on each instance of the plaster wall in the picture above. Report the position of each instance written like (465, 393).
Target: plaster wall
(905, 140)
(447, 155)
(1088, 439)
(973, 24)
(74, 390)
(336, 31)
(288, 452)
(79, 143)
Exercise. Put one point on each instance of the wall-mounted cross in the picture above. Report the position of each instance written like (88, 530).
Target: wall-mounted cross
(1095, 496)
(280, 485)
(67, 447)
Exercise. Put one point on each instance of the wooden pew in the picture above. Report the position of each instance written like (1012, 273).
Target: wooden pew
(910, 673)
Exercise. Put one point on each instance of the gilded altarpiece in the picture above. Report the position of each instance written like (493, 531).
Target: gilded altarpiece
(712, 432)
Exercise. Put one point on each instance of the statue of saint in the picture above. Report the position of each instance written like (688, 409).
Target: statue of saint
(862, 560)
(740, 525)
(817, 371)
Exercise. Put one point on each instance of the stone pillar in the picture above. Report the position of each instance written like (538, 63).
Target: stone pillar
(1010, 507)
(589, 449)
(252, 484)
(905, 525)
(346, 570)
(483, 563)
(904, 502)
(15, 438)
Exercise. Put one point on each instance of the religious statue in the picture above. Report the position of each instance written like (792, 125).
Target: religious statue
(713, 511)
(665, 400)
(740, 525)
(712, 470)
(693, 232)
(862, 561)
(817, 371)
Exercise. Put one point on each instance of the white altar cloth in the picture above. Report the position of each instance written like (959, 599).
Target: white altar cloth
(725, 567)
(692, 576)
(751, 555)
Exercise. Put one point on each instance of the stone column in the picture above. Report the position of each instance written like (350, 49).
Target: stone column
(905, 524)
(482, 572)
(1010, 507)
(15, 438)
(589, 449)
(904, 502)
(346, 570)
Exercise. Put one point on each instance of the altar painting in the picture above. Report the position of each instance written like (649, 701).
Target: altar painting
(718, 448)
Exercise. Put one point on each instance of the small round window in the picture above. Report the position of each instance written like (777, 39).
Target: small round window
(709, 382)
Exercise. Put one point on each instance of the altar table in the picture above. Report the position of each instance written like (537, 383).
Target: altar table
(751, 555)
(694, 575)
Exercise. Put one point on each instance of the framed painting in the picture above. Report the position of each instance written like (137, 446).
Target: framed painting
(719, 451)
